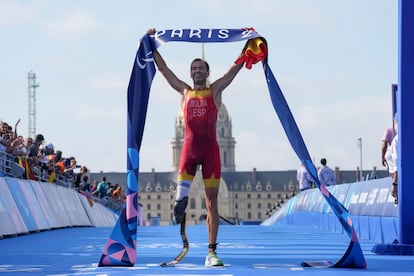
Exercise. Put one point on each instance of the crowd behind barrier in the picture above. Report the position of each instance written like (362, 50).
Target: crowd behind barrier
(113, 198)
(370, 204)
(33, 159)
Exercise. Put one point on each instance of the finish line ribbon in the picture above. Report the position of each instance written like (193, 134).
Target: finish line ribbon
(120, 249)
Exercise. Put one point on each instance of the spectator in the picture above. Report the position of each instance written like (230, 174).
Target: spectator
(43, 162)
(392, 162)
(84, 185)
(19, 149)
(110, 190)
(69, 170)
(9, 137)
(102, 188)
(4, 128)
(27, 142)
(23, 160)
(304, 178)
(50, 149)
(389, 155)
(34, 151)
(6, 138)
(93, 188)
(387, 137)
(59, 162)
(78, 176)
(326, 175)
(116, 193)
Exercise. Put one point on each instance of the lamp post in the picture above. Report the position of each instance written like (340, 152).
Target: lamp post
(359, 143)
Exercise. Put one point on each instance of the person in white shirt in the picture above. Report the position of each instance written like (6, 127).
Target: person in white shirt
(392, 163)
(326, 175)
(304, 178)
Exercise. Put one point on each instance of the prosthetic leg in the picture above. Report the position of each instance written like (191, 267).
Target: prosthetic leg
(180, 217)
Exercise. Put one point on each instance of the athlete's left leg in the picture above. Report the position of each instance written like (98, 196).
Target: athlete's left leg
(211, 175)
(212, 222)
(213, 217)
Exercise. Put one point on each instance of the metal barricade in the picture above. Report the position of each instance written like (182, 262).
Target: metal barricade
(6, 164)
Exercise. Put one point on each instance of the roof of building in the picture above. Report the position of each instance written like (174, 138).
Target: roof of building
(236, 181)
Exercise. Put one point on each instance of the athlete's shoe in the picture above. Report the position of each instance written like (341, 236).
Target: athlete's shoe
(213, 260)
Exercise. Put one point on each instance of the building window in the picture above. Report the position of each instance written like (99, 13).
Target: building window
(249, 215)
(158, 206)
(269, 196)
(249, 205)
(259, 215)
(203, 203)
(192, 203)
(148, 196)
(148, 206)
(148, 216)
(171, 196)
(158, 197)
(249, 195)
(236, 196)
(236, 206)
(259, 206)
(259, 195)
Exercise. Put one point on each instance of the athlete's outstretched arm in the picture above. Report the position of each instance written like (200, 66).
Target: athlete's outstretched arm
(169, 75)
(221, 84)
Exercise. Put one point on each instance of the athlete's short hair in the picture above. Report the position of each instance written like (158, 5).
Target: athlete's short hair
(205, 62)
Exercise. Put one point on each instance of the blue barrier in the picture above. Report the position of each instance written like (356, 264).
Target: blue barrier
(370, 204)
(30, 206)
(12, 221)
(27, 204)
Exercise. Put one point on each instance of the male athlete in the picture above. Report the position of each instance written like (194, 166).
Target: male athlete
(200, 105)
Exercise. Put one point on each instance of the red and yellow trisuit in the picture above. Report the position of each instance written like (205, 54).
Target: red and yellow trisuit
(200, 142)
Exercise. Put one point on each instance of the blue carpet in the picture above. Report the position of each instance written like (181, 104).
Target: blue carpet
(245, 250)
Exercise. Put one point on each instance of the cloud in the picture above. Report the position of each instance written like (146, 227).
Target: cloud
(264, 152)
(108, 83)
(13, 13)
(156, 155)
(73, 25)
(95, 114)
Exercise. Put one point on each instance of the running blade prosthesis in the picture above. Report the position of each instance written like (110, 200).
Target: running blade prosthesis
(185, 248)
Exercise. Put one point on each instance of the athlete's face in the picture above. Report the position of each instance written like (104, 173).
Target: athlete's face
(199, 72)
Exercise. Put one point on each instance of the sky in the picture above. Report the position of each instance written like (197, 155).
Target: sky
(335, 62)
